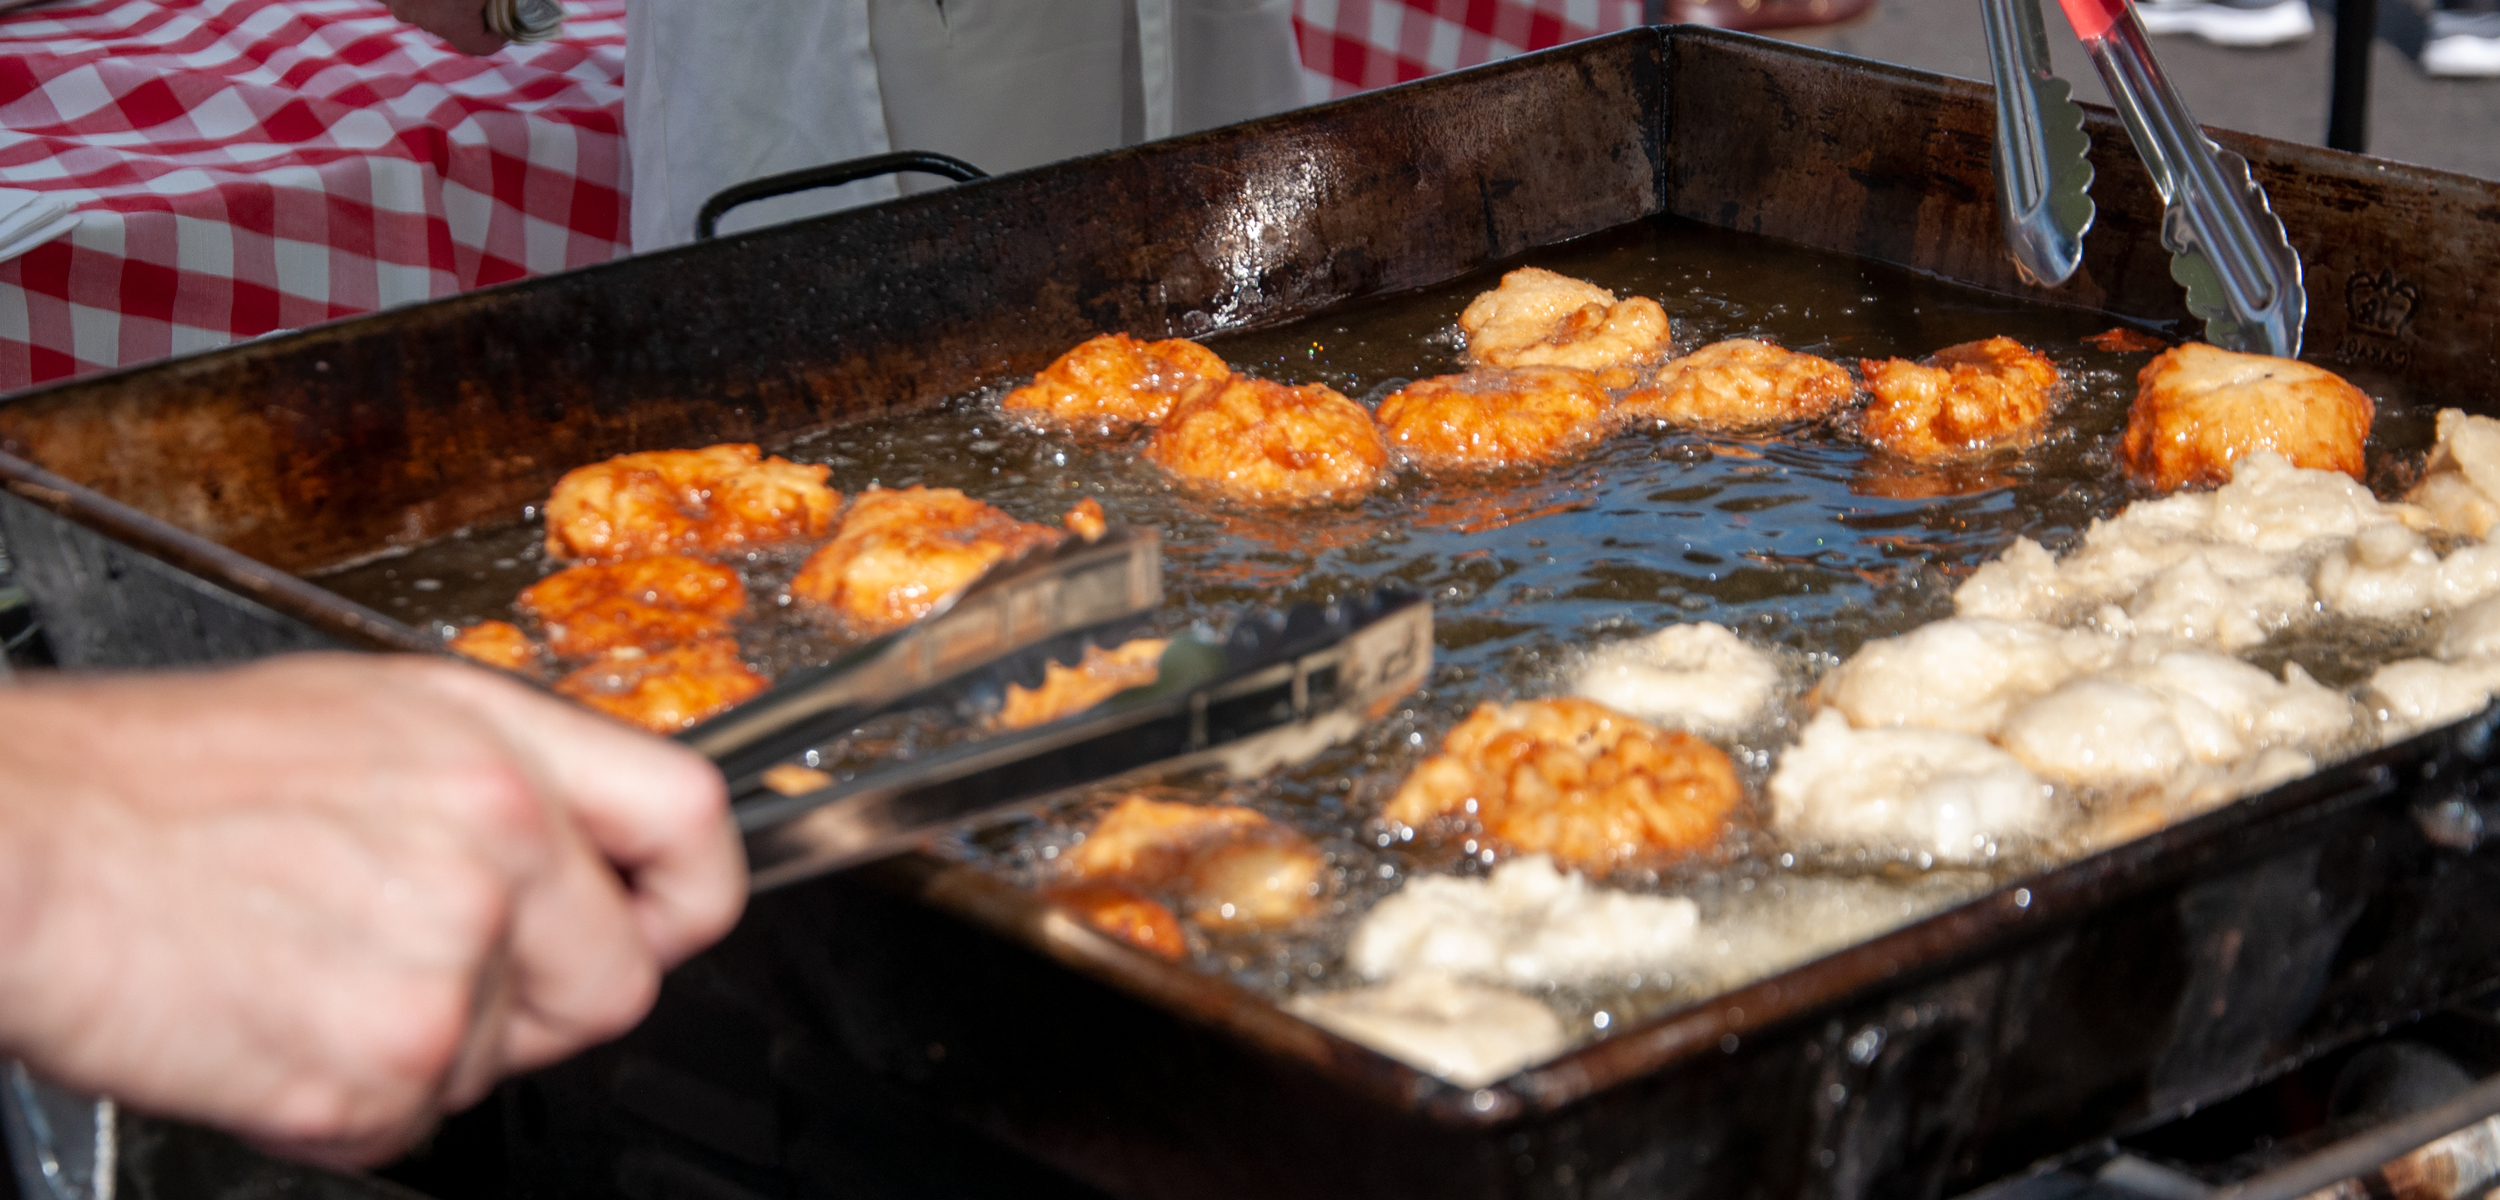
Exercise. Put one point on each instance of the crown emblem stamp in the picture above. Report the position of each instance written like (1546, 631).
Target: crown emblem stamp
(2382, 304)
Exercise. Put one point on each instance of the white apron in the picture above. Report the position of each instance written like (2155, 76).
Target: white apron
(722, 91)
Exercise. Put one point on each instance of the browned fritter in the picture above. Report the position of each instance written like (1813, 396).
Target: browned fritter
(646, 603)
(667, 691)
(2122, 340)
(1067, 690)
(702, 501)
(1086, 520)
(498, 644)
(1741, 383)
(2198, 408)
(1962, 400)
(1125, 914)
(1259, 442)
(900, 553)
(1230, 866)
(1575, 779)
(1537, 318)
(1112, 382)
(1489, 420)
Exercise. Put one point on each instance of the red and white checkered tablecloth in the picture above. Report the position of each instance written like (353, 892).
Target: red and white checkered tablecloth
(1353, 45)
(245, 166)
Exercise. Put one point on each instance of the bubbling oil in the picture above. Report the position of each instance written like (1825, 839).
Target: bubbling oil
(1802, 540)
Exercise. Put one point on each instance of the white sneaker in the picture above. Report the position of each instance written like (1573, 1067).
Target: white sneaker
(2226, 25)
(2463, 45)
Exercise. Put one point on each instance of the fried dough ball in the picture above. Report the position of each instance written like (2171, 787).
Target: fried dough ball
(1232, 867)
(1741, 383)
(1112, 382)
(1086, 520)
(1577, 780)
(667, 691)
(1962, 400)
(1124, 914)
(1259, 442)
(645, 603)
(699, 501)
(1066, 690)
(2197, 408)
(1537, 318)
(497, 644)
(1487, 420)
(900, 554)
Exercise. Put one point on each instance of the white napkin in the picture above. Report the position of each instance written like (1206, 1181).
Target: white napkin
(29, 219)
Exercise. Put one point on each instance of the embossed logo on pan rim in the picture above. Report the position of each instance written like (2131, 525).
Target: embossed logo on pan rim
(2382, 304)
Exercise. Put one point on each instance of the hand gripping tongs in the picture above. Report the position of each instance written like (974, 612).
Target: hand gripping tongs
(2227, 247)
(1278, 688)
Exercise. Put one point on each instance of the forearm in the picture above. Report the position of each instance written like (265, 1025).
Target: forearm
(31, 834)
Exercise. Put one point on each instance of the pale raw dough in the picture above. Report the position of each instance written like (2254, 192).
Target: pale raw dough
(1961, 674)
(2107, 734)
(2386, 572)
(1934, 791)
(2418, 693)
(1527, 923)
(2472, 632)
(1699, 677)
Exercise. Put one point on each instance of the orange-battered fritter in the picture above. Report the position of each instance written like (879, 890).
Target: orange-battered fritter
(1100, 676)
(1488, 420)
(1231, 867)
(697, 501)
(497, 644)
(1086, 520)
(1741, 383)
(1259, 442)
(1572, 778)
(645, 603)
(1537, 318)
(667, 691)
(1124, 914)
(2198, 408)
(899, 554)
(1112, 382)
(1963, 400)
(2122, 340)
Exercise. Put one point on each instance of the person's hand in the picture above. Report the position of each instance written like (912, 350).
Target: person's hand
(323, 900)
(459, 22)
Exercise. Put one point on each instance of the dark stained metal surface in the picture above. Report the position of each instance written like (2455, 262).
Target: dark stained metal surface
(2108, 994)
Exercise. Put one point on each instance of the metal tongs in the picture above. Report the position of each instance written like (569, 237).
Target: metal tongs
(1277, 688)
(2227, 247)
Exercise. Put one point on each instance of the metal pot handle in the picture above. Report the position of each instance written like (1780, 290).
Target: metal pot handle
(707, 222)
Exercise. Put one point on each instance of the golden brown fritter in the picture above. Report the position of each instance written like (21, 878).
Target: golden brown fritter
(1086, 520)
(2122, 340)
(899, 554)
(1124, 914)
(1230, 866)
(1963, 400)
(1537, 318)
(1263, 443)
(1067, 690)
(646, 603)
(1575, 779)
(498, 644)
(1112, 382)
(702, 501)
(2199, 408)
(1741, 383)
(1490, 420)
(666, 691)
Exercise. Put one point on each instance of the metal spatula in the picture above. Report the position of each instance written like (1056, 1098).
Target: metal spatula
(2227, 246)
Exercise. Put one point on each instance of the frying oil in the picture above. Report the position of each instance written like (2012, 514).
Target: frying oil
(1799, 539)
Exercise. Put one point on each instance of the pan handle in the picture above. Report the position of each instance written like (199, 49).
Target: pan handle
(707, 222)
